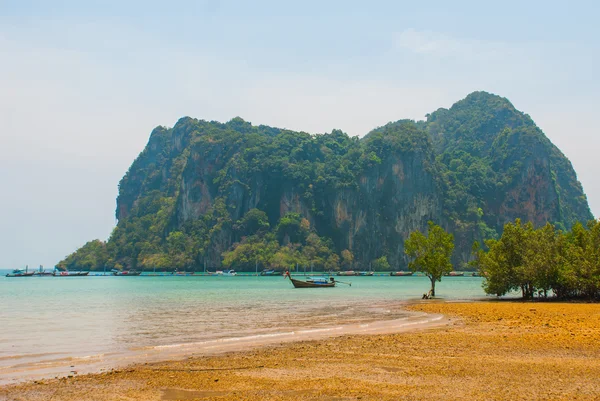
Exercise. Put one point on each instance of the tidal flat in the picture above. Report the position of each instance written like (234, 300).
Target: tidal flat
(488, 350)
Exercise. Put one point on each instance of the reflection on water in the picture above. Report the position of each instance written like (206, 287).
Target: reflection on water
(48, 318)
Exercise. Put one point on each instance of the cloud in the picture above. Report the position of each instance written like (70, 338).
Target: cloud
(440, 45)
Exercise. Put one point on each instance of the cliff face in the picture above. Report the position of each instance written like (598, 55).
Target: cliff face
(500, 166)
(470, 168)
(371, 216)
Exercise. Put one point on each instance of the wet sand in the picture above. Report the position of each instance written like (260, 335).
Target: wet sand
(18, 369)
(488, 350)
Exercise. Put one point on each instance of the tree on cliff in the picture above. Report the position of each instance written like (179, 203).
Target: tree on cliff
(347, 259)
(431, 254)
(381, 264)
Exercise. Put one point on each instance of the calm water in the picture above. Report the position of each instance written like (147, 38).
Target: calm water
(46, 319)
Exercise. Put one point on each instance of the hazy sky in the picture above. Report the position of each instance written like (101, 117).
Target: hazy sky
(82, 86)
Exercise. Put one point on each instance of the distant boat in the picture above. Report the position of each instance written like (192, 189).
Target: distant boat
(271, 272)
(346, 273)
(20, 273)
(42, 273)
(365, 273)
(227, 272)
(67, 273)
(455, 274)
(401, 273)
(126, 273)
(183, 273)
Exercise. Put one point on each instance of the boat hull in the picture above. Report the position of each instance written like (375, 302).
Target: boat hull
(401, 274)
(305, 284)
(70, 274)
(127, 273)
(271, 273)
(455, 274)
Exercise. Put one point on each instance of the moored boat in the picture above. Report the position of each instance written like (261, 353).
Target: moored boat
(311, 282)
(270, 272)
(346, 273)
(67, 273)
(183, 273)
(401, 273)
(42, 273)
(126, 273)
(226, 272)
(20, 273)
(364, 273)
(455, 274)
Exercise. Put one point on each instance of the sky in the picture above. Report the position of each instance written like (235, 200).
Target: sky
(82, 84)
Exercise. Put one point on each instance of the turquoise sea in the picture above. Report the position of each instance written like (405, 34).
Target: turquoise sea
(51, 324)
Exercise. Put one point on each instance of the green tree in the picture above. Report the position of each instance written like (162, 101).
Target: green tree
(503, 266)
(347, 258)
(381, 264)
(541, 258)
(254, 221)
(431, 254)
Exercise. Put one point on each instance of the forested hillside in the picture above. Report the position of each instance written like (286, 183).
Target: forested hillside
(239, 195)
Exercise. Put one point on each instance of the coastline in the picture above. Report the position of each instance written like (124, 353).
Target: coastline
(486, 350)
(23, 371)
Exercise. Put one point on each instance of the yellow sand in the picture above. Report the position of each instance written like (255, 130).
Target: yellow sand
(491, 351)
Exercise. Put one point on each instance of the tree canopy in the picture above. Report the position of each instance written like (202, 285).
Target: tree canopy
(542, 261)
(430, 253)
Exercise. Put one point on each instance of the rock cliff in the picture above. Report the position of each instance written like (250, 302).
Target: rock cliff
(470, 168)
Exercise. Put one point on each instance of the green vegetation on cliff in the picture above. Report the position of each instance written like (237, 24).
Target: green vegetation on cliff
(210, 193)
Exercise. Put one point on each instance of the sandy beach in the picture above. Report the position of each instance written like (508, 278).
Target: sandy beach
(486, 350)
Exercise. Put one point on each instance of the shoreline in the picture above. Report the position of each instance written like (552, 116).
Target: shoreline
(487, 350)
(69, 366)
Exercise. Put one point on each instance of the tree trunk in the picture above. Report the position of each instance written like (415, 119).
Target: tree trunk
(432, 286)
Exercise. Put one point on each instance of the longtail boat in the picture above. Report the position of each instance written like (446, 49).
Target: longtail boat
(455, 274)
(314, 282)
(271, 272)
(401, 273)
(20, 273)
(67, 273)
(126, 273)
